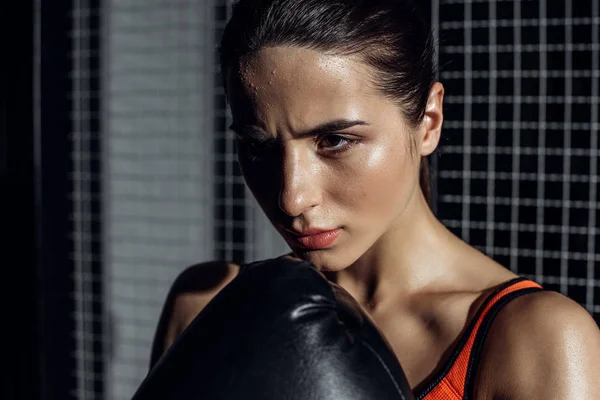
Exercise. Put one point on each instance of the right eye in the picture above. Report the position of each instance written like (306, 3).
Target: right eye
(252, 150)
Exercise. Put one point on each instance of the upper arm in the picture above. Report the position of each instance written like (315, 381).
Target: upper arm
(191, 291)
(543, 346)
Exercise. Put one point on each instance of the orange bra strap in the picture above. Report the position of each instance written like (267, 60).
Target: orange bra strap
(458, 375)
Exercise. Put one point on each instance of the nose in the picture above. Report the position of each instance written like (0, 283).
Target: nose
(300, 189)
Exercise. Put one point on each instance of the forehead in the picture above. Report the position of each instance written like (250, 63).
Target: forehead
(300, 86)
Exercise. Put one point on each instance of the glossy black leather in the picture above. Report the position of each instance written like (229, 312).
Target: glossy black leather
(279, 331)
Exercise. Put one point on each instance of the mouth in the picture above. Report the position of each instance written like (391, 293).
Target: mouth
(314, 239)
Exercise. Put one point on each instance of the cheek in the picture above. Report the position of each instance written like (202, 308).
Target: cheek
(378, 184)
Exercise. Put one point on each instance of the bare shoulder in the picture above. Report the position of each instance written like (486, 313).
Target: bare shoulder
(541, 346)
(197, 285)
(191, 291)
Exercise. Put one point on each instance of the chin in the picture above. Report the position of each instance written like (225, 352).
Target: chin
(326, 260)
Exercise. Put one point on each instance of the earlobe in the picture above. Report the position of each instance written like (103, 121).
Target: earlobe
(434, 117)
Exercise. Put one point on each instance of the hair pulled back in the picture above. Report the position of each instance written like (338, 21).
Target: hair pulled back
(388, 35)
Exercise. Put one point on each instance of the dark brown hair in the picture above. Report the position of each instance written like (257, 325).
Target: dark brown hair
(389, 35)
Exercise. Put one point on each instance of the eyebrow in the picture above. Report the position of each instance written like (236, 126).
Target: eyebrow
(331, 126)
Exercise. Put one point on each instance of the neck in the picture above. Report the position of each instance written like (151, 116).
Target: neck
(411, 257)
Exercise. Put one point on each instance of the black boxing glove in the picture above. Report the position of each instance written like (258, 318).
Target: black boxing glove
(279, 331)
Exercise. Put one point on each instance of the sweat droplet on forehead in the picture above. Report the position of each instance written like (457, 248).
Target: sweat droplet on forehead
(246, 77)
(296, 67)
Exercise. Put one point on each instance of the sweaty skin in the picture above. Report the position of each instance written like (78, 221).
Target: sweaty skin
(419, 283)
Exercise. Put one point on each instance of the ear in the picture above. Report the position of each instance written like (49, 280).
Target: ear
(434, 117)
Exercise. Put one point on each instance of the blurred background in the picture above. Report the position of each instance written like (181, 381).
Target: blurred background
(121, 172)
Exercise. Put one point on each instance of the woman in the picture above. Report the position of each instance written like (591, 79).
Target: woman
(335, 107)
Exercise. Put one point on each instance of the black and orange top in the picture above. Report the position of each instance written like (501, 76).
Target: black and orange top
(455, 381)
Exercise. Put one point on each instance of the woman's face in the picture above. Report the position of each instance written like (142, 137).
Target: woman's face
(322, 150)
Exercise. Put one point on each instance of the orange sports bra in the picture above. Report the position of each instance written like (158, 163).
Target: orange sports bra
(456, 380)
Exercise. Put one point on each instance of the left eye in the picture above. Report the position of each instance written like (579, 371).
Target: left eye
(333, 142)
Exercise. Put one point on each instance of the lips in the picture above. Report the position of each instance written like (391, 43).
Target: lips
(316, 239)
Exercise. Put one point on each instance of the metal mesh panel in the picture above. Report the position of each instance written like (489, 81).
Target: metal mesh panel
(519, 164)
(233, 208)
(86, 215)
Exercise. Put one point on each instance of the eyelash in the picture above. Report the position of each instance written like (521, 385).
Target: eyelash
(349, 143)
